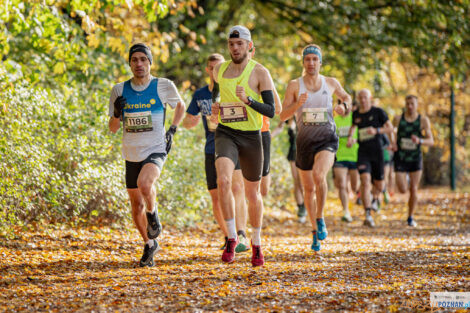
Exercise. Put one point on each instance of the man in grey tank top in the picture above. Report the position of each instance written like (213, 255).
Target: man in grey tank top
(310, 98)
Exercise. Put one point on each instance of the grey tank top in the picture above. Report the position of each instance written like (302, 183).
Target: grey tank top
(315, 117)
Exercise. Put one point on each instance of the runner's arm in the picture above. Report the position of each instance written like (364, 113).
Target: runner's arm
(428, 139)
(342, 95)
(216, 72)
(190, 120)
(386, 128)
(179, 112)
(351, 139)
(277, 99)
(278, 129)
(114, 123)
(289, 105)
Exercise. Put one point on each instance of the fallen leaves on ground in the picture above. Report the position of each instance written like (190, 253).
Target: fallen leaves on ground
(389, 268)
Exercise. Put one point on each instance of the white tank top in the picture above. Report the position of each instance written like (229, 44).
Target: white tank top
(315, 116)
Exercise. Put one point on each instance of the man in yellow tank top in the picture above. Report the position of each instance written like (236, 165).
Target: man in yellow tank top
(309, 97)
(242, 84)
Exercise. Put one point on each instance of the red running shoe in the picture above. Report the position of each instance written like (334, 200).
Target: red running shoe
(257, 259)
(229, 253)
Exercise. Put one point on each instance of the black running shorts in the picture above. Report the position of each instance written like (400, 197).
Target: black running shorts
(307, 149)
(408, 167)
(266, 138)
(372, 163)
(133, 168)
(245, 146)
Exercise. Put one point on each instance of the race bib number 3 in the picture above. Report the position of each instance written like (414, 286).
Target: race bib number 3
(314, 116)
(408, 144)
(364, 135)
(233, 112)
(137, 122)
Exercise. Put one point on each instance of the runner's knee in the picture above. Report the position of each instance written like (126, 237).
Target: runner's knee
(224, 182)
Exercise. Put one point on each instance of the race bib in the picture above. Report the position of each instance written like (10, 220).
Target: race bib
(137, 122)
(315, 116)
(408, 144)
(233, 112)
(364, 135)
(343, 131)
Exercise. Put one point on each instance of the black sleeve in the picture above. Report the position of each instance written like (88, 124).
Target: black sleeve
(267, 106)
(383, 117)
(354, 114)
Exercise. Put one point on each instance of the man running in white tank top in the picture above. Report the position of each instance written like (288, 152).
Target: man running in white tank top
(310, 98)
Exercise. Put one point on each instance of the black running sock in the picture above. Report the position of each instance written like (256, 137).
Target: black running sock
(368, 211)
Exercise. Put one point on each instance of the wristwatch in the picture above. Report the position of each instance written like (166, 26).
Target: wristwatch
(250, 100)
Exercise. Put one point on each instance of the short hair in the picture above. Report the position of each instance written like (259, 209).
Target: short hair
(411, 97)
(215, 57)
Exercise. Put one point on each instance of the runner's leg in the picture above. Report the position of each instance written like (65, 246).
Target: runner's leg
(138, 212)
(323, 162)
(341, 174)
(415, 178)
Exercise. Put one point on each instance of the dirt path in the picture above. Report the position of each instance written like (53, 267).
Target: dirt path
(389, 268)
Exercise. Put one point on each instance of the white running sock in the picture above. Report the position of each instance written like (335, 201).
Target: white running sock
(232, 230)
(256, 236)
(150, 243)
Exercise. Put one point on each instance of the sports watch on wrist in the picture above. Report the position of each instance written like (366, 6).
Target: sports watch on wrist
(250, 100)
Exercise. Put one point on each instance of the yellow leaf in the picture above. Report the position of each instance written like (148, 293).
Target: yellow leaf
(59, 68)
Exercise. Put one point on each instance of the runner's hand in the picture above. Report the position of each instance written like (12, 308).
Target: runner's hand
(302, 99)
(340, 109)
(240, 91)
(119, 105)
(169, 137)
(351, 141)
(371, 130)
(415, 139)
(393, 147)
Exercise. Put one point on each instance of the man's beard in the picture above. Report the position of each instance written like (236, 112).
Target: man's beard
(240, 60)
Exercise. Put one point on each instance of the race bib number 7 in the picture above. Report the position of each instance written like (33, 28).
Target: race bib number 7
(314, 116)
(233, 112)
(137, 122)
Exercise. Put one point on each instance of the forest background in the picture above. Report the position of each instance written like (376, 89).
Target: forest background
(58, 161)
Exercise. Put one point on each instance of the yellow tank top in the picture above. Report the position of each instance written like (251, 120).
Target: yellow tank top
(233, 112)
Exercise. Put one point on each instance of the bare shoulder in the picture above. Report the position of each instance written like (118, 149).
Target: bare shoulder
(261, 71)
(425, 120)
(332, 81)
(293, 84)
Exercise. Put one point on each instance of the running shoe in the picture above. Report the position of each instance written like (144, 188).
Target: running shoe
(386, 197)
(302, 214)
(347, 217)
(242, 245)
(316, 243)
(147, 256)
(411, 222)
(154, 227)
(225, 243)
(257, 258)
(228, 256)
(375, 205)
(321, 226)
(369, 221)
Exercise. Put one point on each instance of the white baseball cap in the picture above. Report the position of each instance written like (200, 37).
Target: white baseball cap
(239, 31)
